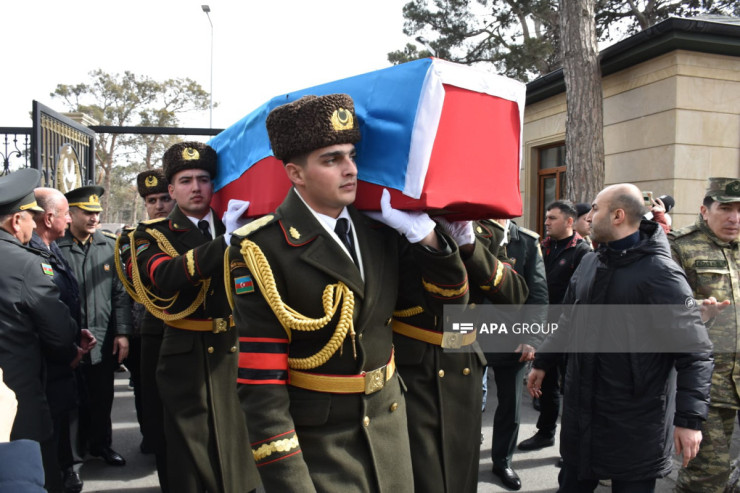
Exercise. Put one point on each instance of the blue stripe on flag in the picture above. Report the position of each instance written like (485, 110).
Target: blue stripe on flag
(386, 103)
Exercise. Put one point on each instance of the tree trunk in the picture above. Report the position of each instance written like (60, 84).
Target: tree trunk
(584, 128)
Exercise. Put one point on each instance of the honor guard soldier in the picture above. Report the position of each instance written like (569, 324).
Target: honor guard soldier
(314, 286)
(105, 310)
(176, 265)
(147, 341)
(709, 254)
(35, 326)
(444, 394)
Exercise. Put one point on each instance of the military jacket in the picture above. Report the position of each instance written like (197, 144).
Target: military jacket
(184, 273)
(444, 388)
(712, 266)
(34, 324)
(295, 291)
(105, 307)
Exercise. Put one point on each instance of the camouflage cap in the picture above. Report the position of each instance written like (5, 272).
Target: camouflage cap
(723, 189)
(310, 123)
(86, 198)
(189, 155)
(151, 181)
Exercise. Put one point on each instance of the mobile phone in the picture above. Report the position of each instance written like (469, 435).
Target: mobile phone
(647, 197)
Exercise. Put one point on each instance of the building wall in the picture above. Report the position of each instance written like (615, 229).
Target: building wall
(669, 123)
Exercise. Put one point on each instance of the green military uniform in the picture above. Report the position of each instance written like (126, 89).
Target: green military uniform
(444, 395)
(316, 419)
(712, 267)
(204, 427)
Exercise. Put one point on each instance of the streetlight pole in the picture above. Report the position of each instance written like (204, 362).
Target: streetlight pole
(207, 10)
(423, 40)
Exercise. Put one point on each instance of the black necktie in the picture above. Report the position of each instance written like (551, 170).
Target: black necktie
(205, 228)
(342, 229)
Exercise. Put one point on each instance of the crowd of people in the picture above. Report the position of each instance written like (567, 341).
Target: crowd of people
(306, 350)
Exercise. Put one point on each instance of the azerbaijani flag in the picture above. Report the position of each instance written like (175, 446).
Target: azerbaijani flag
(440, 136)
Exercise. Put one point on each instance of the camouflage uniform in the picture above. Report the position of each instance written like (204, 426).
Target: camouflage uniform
(711, 266)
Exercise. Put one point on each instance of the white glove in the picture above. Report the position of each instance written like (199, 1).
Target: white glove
(461, 231)
(415, 226)
(233, 219)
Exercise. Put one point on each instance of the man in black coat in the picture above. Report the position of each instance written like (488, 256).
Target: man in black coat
(618, 402)
(34, 324)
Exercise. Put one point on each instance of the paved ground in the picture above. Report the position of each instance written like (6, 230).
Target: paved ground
(537, 469)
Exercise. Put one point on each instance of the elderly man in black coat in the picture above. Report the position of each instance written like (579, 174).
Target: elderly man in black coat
(618, 401)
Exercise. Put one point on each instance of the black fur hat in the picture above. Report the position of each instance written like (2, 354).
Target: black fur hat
(151, 181)
(310, 123)
(189, 155)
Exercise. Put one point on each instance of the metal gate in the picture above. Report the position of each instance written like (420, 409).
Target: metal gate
(62, 149)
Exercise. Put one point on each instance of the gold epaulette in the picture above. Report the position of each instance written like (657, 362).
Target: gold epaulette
(253, 226)
(154, 221)
(109, 235)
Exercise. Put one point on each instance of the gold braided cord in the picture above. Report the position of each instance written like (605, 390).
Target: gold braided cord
(119, 268)
(449, 293)
(333, 295)
(227, 280)
(147, 297)
(408, 312)
(267, 449)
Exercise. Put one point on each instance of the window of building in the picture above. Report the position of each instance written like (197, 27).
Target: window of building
(551, 180)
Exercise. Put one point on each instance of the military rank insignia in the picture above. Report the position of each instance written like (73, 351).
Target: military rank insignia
(47, 269)
(243, 285)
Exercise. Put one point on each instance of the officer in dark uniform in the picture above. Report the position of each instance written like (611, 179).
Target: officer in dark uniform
(444, 387)
(314, 286)
(177, 269)
(34, 324)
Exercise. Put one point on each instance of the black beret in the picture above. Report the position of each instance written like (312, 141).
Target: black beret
(151, 181)
(310, 123)
(583, 208)
(86, 198)
(16, 191)
(189, 155)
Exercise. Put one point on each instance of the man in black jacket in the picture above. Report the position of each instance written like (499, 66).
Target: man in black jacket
(616, 415)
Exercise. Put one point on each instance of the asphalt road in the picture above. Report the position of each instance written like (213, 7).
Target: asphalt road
(536, 469)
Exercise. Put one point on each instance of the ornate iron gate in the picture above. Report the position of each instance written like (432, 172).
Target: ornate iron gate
(62, 149)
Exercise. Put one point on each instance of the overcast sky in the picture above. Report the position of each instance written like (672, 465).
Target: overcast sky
(261, 48)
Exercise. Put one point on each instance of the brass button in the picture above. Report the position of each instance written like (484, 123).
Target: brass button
(366, 422)
(441, 373)
(466, 371)
(359, 336)
(394, 406)
(233, 349)
(388, 322)
(210, 349)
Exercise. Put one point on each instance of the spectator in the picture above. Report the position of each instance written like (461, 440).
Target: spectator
(563, 251)
(105, 311)
(616, 422)
(34, 324)
(581, 226)
(708, 253)
(61, 381)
